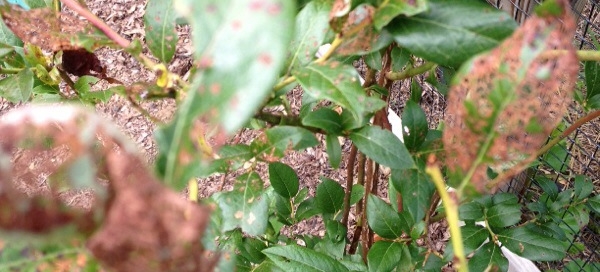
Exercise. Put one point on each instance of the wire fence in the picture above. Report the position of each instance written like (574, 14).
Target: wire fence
(578, 154)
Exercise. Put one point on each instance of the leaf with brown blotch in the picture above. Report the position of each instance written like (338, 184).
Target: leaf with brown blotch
(135, 224)
(504, 104)
(45, 28)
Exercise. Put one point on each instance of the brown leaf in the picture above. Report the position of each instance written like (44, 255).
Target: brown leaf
(45, 28)
(535, 88)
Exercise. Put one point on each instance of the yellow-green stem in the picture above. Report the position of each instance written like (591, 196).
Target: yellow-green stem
(410, 72)
(451, 208)
(193, 190)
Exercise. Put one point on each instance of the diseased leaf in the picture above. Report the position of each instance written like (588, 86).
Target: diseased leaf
(312, 24)
(159, 23)
(389, 10)
(504, 104)
(384, 256)
(446, 35)
(283, 179)
(360, 35)
(383, 147)
(300, 259)
(246, 206)
(532, 245)
(220, 92)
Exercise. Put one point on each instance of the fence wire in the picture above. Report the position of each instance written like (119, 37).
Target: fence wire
(578, 154)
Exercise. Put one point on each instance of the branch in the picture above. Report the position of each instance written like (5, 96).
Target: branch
(410, 72)
(451, 207)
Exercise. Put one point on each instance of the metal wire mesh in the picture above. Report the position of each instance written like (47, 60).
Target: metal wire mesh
(579, 154)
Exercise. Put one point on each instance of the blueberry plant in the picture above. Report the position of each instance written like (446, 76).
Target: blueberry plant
(507, 87)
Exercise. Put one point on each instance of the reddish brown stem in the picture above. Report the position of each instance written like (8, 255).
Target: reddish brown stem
(97, 22)
(349, 181)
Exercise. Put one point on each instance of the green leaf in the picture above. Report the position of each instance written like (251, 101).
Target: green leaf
(25, 84)
(334, 150)
(159, 22)
(330, 196)
(283, 138)
(335, 231)
(5, 49)
(592, 79)
(325, 119)
(414, 119)
(445, 35)
(383, 147)
(307, 209)
(8, 37)
(383, 220)
(583, 187)
(557, 157)
(312, 23)
(473, 237)
(267, 266)
(17, 88)
(594, 203)
(471, 211)
(338, 83)
(388, 10)
(532, 245)
(358, 191)
(283, 179)
(488, 258)
(503, 215)
(384, 256)
(252, 248)
(416, 189)
(294, 258)
(245, 206)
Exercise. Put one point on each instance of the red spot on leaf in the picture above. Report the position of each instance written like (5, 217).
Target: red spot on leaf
(236, 25)
(265, 59)
(274, 9)
(215, 88)
(211, 8)
(205, 62)
(256, 5)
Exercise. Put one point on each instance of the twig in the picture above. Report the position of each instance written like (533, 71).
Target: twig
(410, 72)
(451, 207)
(349, 181)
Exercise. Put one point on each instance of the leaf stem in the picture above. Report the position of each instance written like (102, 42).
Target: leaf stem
(334, 45)
(410, 72)
(8, 71)
(451, 207)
